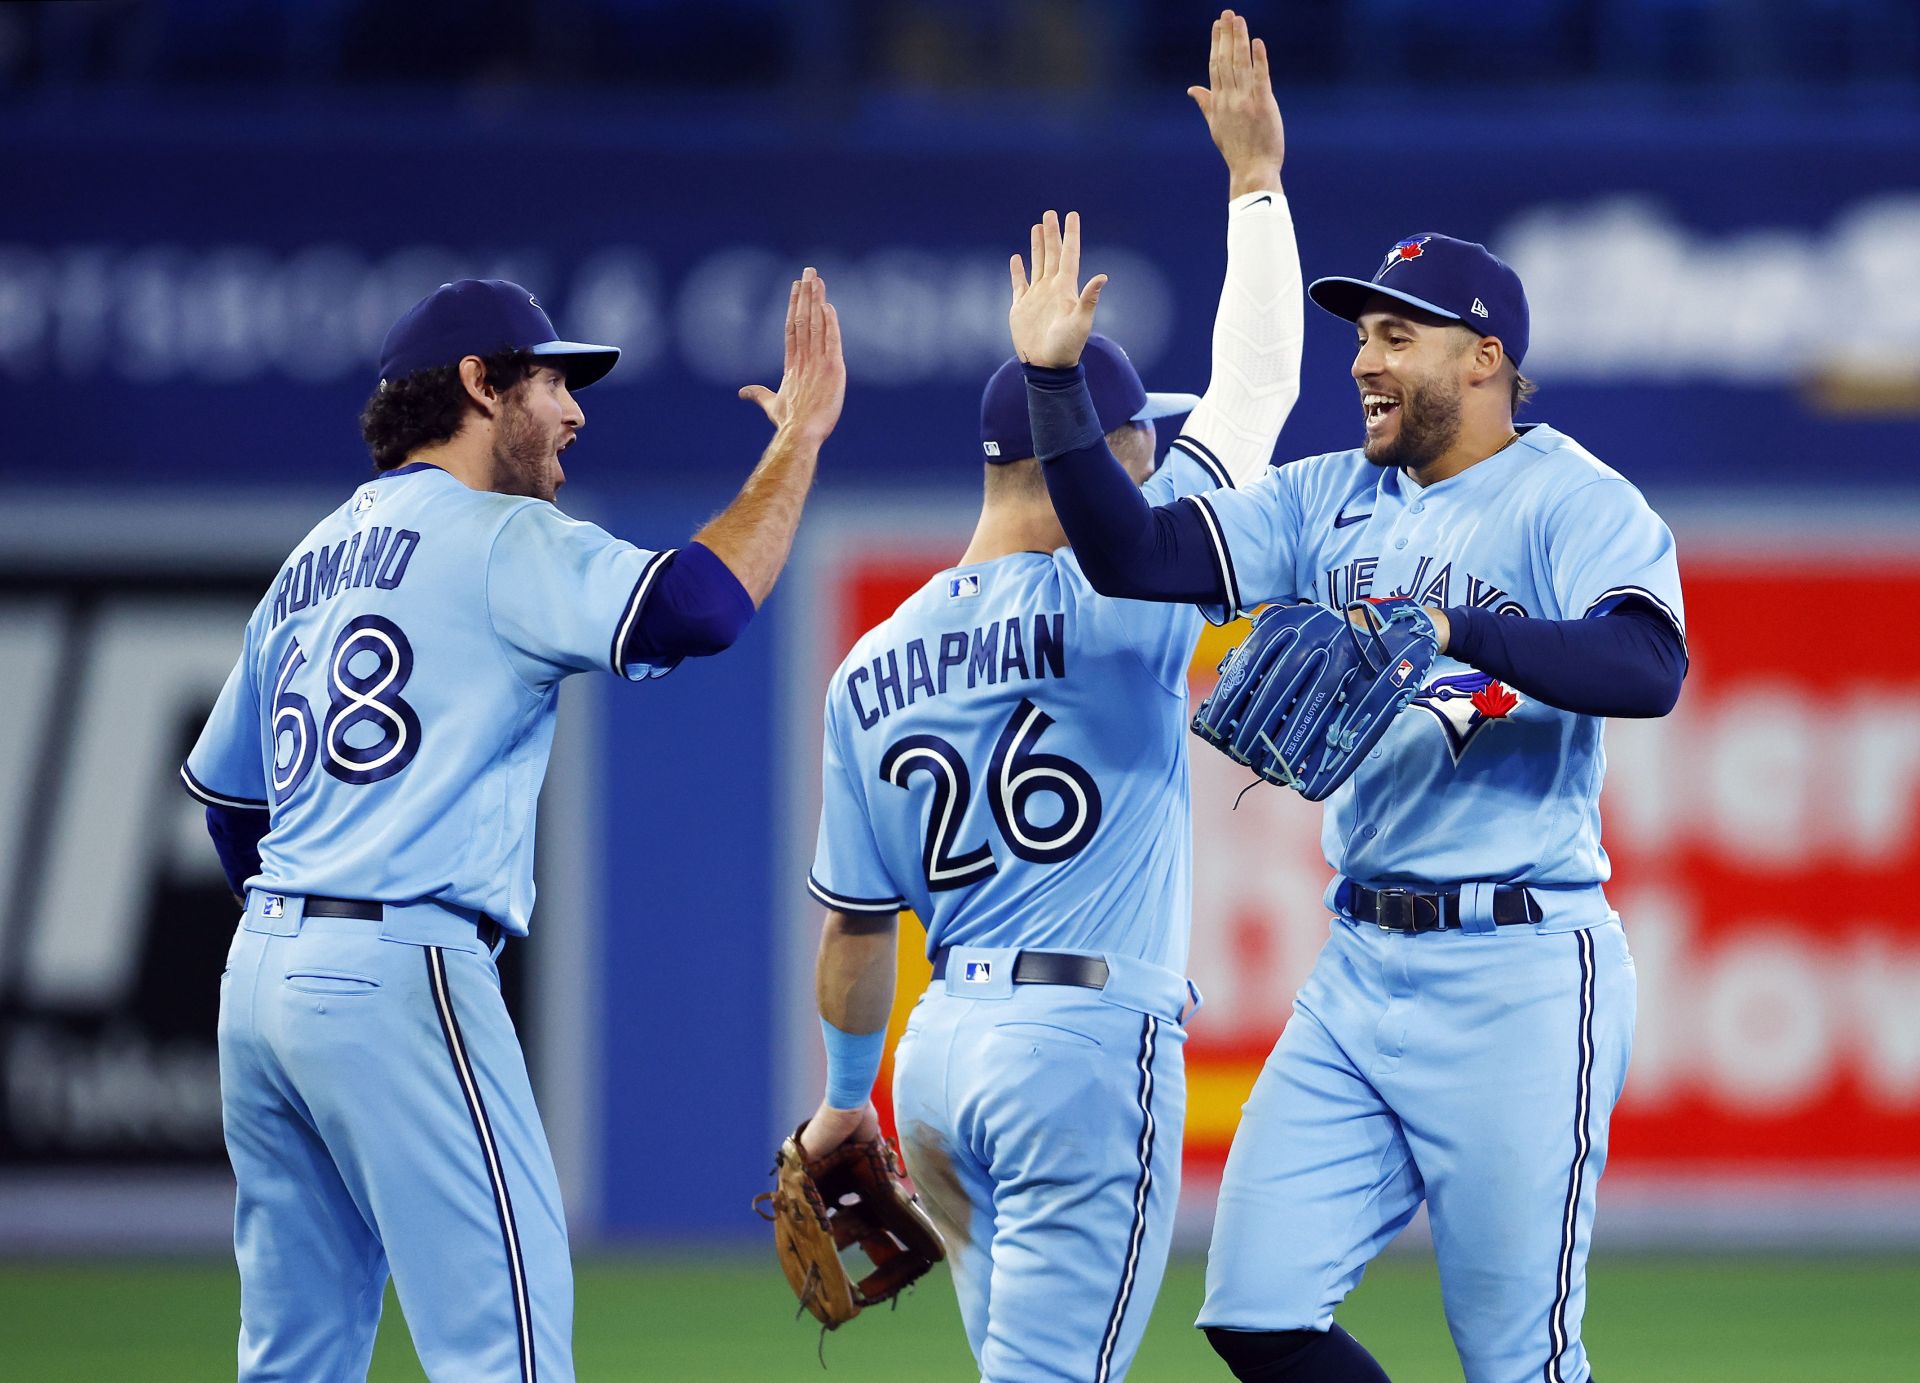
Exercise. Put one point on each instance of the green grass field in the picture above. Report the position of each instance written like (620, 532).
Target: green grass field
(729, 1320)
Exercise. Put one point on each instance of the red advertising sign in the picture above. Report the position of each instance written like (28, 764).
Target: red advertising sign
(1765, 841)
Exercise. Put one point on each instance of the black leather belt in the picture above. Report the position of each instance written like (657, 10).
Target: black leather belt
(1409, 910)
(487, 929)
(1045, 967)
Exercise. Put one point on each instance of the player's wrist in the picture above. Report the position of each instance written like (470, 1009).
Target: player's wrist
(853, 1063)
(1260, 176)
(801, 434)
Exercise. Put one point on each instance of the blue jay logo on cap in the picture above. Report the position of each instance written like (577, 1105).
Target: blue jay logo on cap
(1402, 251)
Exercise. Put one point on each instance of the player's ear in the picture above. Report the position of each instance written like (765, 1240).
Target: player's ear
(473, 378)
(1488, 356)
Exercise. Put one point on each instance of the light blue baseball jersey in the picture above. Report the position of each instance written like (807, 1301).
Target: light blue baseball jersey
(1006, 755)
(1473, 782)
(393, 705)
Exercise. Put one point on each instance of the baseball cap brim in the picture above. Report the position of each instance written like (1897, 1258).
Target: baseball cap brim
(1166, 406)
(581, 362)
(1347, 298)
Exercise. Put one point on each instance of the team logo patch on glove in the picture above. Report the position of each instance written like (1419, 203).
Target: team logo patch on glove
(853, 1196)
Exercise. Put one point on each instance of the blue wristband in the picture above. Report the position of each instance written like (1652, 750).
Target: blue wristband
(1060, 410)
(853, 1064)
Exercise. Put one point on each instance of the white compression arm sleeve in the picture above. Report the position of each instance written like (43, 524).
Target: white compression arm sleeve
(1256, 339)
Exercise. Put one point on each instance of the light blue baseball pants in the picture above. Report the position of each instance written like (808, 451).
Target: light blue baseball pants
(1475, 1071)
(1041, 1124)
(379, 1119)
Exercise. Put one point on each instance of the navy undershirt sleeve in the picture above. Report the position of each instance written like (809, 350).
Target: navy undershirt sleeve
(236, 833)
(1126, 546)
(697, 607)
(1628, 662)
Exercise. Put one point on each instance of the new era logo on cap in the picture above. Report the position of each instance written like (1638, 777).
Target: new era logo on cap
(1479, 309)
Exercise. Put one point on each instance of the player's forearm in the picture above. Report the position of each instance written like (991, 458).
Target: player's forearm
(754, 534)
(1126, 546)
(853, 986)
(1257, 335)
(853, 976)
(1630, 663)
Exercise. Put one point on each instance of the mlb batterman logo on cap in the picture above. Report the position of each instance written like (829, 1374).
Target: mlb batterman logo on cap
(1455, 279)
(1118, 397)
(481, 317)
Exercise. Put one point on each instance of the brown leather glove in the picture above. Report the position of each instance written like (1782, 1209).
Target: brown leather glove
(855, 1195)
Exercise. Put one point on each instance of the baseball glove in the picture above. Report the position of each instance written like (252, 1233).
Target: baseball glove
(1309, 692)
(854, 1195)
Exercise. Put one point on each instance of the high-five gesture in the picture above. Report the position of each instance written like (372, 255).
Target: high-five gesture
(1052, 316)
(1242, 115)
(754, 534)
(813, 382)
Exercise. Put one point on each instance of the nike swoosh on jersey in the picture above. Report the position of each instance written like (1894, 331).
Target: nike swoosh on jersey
(1348, 520)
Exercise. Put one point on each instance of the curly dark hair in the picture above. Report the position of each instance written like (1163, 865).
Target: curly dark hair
(429, 406)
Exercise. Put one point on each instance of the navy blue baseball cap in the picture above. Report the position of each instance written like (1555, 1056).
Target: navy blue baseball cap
(1118, 397)
(1455, 279)
(479, 317)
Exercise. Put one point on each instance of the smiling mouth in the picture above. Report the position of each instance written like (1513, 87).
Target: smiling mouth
(1376, 408)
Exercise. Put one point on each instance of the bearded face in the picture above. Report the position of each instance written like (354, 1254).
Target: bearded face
(1411, 372)
(537, 422)
(1412, 427)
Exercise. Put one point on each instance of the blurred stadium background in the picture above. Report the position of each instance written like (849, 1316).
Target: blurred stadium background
(214, 208)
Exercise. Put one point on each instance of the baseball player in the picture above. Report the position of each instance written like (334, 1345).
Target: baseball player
(1464, 1034)
(370, 772)
(1006, 755)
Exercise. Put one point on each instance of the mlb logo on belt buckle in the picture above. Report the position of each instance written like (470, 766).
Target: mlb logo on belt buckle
(273, 905)
(978, 972)
(1403, 672)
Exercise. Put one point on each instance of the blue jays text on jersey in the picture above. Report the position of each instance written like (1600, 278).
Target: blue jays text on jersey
(1474, 782)
(394, 701)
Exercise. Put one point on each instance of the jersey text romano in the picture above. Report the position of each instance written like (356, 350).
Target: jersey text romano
(320, 574)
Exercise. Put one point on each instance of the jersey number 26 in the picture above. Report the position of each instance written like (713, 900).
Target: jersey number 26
(1016, 773)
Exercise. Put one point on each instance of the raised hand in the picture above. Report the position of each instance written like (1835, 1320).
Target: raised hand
(1241, 113)
(1052, 316)
(813, 381)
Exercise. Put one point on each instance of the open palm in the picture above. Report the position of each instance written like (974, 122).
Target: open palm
(1052, 316)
